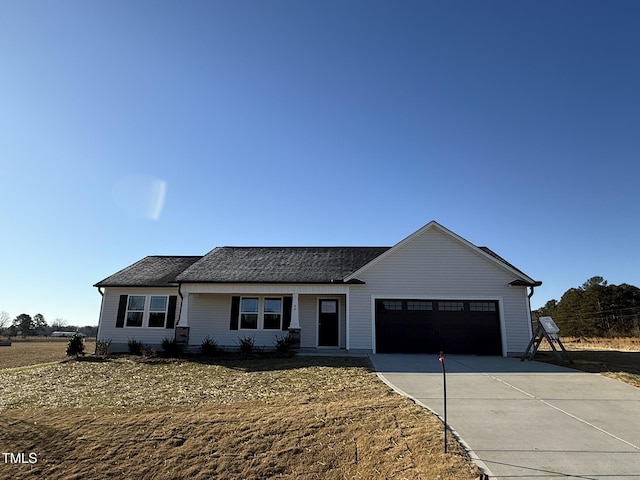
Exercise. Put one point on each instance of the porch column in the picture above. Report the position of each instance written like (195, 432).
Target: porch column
(295, 319)
(294, 325)
(183, 320)
(181, 333)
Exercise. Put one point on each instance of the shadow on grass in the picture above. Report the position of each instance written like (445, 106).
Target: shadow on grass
(251, 362)
(597, 361)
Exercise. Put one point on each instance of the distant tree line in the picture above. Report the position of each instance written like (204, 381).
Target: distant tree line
(26, 325)
(596, 309)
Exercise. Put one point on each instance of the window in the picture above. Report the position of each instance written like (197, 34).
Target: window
(419, 305)
(157, 311)
(135, 310)
(387, 305)
(249, 313)
(272, 313)
(261, 313)
(451, 306)
(482, 306)
(146, 311)
(328, 306)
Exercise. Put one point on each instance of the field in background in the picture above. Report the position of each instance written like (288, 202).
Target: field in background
(36, 350)
(617, 358)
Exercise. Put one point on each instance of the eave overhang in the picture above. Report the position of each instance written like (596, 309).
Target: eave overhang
(524, 283)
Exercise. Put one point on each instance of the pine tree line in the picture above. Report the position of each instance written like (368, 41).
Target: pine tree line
(596, 309)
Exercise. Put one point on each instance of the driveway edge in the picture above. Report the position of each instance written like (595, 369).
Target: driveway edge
(474, 457)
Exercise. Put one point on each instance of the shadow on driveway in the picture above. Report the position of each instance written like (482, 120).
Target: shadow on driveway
(460, 364)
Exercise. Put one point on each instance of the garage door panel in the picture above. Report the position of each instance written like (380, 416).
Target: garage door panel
(461, 327)
(410, 335)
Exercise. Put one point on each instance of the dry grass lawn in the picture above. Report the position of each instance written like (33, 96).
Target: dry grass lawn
(617, 358)
(33, 351)
(303, 418)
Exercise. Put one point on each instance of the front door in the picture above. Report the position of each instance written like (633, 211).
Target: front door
(328, 323)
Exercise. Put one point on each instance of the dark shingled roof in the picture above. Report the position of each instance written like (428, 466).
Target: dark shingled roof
(154, 271)
(499, 258)
(254, 265)
(279, 264)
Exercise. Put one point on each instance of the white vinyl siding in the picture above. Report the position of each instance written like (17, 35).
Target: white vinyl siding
(120, 336)
(307, 306)
(210, 314)
(434, 265)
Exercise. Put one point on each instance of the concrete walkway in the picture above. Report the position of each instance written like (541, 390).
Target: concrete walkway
(527, 420)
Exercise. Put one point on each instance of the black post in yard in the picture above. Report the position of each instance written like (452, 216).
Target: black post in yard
(444, 385)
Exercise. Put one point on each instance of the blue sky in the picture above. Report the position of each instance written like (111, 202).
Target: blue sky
(137, 128)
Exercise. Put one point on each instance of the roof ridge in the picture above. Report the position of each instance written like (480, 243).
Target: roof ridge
(304, 246)
(172, 256)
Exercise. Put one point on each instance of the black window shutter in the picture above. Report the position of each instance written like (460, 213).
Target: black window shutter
(286, 313)
(171, 314)
(235, 312)
(122, 310)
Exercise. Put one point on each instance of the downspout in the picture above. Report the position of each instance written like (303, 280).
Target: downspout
(95, 348)
(180, 309)
(531, 291)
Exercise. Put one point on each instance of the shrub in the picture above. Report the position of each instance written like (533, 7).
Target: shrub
(209, 346)
(170, 347)
(75, 346)
(283, 344)
(102, 346)
(135, 347)
(246, 345)
(148, 352)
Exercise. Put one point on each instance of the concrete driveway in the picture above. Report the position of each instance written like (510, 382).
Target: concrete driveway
(527, 420)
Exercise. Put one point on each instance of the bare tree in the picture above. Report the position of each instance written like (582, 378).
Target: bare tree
(5, 318)
(59, 323)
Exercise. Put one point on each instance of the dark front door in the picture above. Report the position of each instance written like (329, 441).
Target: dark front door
(328, 323)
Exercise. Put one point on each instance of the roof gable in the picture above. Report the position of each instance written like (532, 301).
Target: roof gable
(279, 264)
(433, 225)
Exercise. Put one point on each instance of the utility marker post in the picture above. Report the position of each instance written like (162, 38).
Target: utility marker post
(444, 385)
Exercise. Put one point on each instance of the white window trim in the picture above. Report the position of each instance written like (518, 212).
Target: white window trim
(126, 313)
(146, 311)
(261, 313)
(165, 311)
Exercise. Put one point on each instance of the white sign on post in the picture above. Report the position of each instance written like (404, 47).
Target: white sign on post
(549, 325)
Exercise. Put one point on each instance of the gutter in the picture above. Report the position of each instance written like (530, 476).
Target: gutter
(95, 349)
(532, 286)
(180, 310)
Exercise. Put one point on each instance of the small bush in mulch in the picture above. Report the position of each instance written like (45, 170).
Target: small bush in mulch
(102, 346)
(135, 347)
(247, 345)
(209, 347)
(283, 344)
(75, 347)
(170, 347)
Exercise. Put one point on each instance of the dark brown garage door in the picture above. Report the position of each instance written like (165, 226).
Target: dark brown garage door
(431, 326)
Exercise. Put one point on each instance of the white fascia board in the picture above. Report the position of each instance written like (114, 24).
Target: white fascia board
(265, 288)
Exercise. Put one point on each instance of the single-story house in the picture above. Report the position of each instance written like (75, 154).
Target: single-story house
(432, 291)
